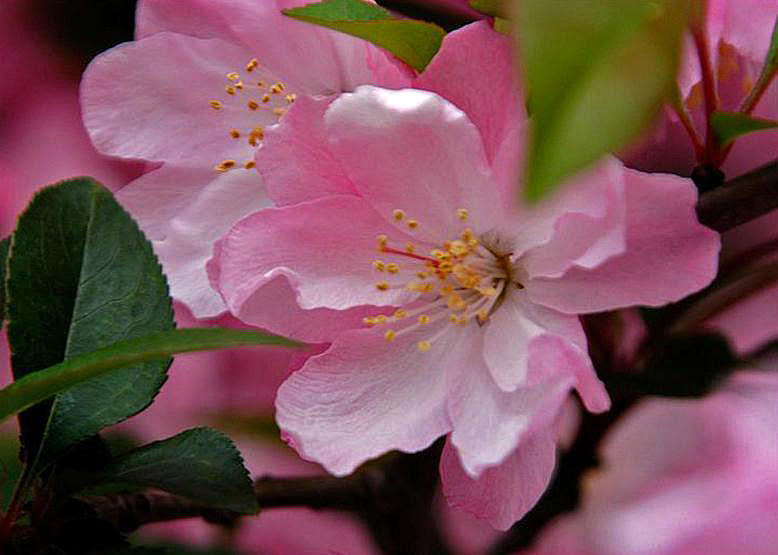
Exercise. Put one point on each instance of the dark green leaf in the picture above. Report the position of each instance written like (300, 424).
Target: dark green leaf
(490, 7)
(5, 245)
(43, 384)
(201, 464)
(597, 73)
(81, 276)
(685, 366)
(730, 125)
(414, 42)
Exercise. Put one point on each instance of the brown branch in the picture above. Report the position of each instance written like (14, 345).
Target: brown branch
(741, 199)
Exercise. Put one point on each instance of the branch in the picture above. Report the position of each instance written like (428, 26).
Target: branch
(741, 199)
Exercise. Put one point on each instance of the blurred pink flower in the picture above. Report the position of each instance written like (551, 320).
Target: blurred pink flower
(195, 93)
(684, 477)
(483, 340)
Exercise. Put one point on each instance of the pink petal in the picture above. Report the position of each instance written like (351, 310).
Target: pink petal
(512, 328)
(150, 100)
(311, 59)
(414, 151)
(295, 159)
(504, 493)
(174, 205)
(366, 396)
(325, 247)
(751, 322)
(669, 254)
(490, 423)
(581, 224)
(474, 70)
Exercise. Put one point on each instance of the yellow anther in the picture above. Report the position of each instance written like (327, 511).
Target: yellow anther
(453, 318)
(487, 291)
(277, 88)
(368, 321)
(252, 65)
(382, 240)
(382, 286)
(233, 76)
(279, 112)
(467, 234)
(409, 247)
(424, 319)
(256, 135)
(472, 242)
(380, 319)
(291, 97)
(261, 84)
(422, 275)
(389, 335)
(413, 224)
(392, 268)
(239, 85)
(398, 214)
(400, 314)
(458, 248)
(229, 89)
(250, 164)
(423, 346)
(216, 105)
(379, 265)
(225, 165)
(235, 134)
(440, 255)
(455, 302)
(483, 315)
(252, 104)
(420, 287)
(266, 98)
(462, 214)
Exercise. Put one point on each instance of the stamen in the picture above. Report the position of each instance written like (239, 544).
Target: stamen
(424, 346)
(413, 224)
(462, 214)
(252, 65)
(233, 76)
(398, 214)
(235, 134)
(216, 105)
(225, 165)
(250, 164)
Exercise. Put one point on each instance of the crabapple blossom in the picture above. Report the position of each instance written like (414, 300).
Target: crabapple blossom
(193, 95)
(683, 477)
(451, 310)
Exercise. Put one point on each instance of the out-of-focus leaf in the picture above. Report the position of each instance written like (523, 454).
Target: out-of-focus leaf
(684, 366)
(730, 125)
(82, 276)
(597, 73)
(5, 245)
(201, 464)
(38, 386)
(412, 41)
(490, 7)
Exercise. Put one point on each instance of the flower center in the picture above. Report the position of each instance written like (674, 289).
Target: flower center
(257, 98)
(459, 281)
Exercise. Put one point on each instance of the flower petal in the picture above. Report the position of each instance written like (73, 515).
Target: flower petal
(312, 59)
(474, 70)
(295, 159)
(415, 151)
(174, 205)
(512, 328)
(669, 254)
(150, 100)
(325, 247)
(504, 493)
(366, 396)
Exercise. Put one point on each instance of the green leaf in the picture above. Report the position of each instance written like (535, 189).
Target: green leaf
(5, 245)
(730, 125)
(683, 366)
(82, 276)
(414, 42)
(490, 7)
(38, 386)
(597, 74)
(769, 69)
(201, 464)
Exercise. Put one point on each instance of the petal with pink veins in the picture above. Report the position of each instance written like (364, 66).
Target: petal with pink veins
(324, 247)
(474, 70)
(174, 205)
(413, 150)
(669, 254)
(312, 59)
(366, 396)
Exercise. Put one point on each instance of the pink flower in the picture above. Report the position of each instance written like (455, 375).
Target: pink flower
(194, 94)
(684, 477)
(450, 310)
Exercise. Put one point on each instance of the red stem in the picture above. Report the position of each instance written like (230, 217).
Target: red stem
(709, 92)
